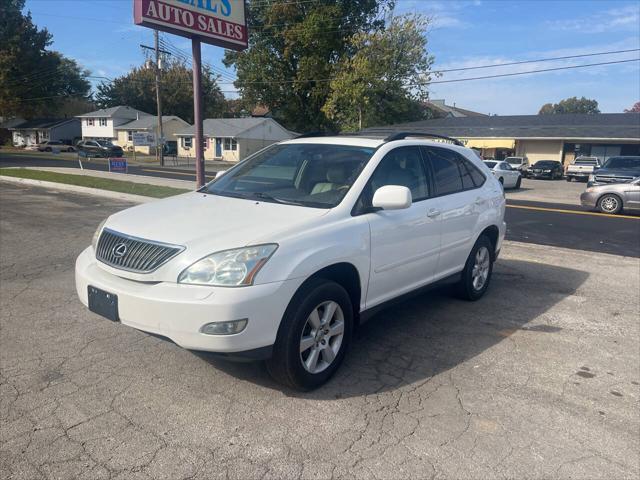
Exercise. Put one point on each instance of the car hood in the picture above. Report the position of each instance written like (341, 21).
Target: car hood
(208, 223)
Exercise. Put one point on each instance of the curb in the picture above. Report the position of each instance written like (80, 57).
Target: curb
(127, 197)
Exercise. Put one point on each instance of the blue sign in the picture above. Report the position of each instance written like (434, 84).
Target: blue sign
(118, 165)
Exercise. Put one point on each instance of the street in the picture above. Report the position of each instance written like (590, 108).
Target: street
(528, 221)
(538, 379)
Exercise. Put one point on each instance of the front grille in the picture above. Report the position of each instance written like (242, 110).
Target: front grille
(603, 179)
(133, 254)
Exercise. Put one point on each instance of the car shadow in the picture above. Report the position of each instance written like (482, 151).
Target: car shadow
(433, 332)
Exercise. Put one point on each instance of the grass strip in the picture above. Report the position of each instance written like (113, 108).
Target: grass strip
(121, 186)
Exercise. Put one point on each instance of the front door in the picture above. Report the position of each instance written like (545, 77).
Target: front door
(218, 148)
(405, 244)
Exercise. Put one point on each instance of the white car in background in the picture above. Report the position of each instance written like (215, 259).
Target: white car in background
(505, 173)
(284, 254)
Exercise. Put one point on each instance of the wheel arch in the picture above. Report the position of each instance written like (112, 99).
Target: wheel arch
(492, 232)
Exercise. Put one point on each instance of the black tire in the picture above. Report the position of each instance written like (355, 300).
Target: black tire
(285, 366)
(569, 179)
(48, 149)
(501, 180)
(465, 288)
(518, 183)
(610, 203)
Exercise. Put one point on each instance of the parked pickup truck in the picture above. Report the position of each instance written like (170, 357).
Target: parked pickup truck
(581, 168)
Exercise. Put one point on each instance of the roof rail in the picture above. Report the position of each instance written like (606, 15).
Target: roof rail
(403, 135)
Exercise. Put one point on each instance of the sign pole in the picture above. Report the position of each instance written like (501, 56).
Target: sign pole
(197, 109)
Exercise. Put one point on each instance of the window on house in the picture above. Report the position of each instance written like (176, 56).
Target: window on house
(89, 122)
(129, 135)
(230, 144)
(103, 122)
(187, 142)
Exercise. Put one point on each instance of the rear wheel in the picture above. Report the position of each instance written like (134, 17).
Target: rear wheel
(569, 179)
(476, 275)
(313, 337)
(518, 182)
(610, 203)
(501, 180)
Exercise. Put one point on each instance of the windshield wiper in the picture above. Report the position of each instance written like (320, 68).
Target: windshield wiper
(268, 197)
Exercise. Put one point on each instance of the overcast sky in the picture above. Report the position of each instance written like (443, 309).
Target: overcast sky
(101, 36)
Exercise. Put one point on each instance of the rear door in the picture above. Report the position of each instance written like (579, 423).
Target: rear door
(456, 183)
(405, 244)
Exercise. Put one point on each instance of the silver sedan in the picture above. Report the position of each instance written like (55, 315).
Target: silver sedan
(613, 197)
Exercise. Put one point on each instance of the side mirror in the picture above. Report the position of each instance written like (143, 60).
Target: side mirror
(220, 173)
(392, 197)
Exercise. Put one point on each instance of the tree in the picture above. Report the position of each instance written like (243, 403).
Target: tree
(570, 105)
(137, 89)
(33, 80)
(386, 78)
(294, 48)
(634, 109)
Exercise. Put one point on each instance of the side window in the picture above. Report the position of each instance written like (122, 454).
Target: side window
(446, 172)
(402, 166)
(477, 177)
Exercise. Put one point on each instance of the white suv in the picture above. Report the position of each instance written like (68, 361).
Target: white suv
(281, 256)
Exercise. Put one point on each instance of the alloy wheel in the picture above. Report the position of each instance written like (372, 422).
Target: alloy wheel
(321, 337)
(609, 204)
(480, 271)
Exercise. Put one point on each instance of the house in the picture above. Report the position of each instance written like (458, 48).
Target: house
(149, 124)
(31, 132)
(537, 137)
(101, 124)
(233, 139)
(5, 124)
(438, 109)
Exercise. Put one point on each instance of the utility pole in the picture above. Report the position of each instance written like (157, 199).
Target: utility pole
(160, 136)
(197, 109)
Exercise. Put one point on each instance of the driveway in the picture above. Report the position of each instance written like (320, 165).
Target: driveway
(539, 379)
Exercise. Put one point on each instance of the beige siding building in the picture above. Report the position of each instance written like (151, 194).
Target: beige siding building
(537, 137)
(232, 139)
(149, 125)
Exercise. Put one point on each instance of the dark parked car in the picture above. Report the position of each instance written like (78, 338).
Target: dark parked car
(546, 169)
(616, 170)
(51, 145)
(99, 148)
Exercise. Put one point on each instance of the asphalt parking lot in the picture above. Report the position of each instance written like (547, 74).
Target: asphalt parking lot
(539, 379)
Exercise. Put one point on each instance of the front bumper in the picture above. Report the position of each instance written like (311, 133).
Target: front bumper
(179, 311)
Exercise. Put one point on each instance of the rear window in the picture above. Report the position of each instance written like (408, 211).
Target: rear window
(513, 160)
(585, 162)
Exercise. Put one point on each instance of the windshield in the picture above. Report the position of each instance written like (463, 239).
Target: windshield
(546, 164)
(513, 160)
(490, 164)
(104, 143)
(622, 162)
(312, 175)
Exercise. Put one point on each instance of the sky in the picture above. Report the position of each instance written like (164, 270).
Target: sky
(101, 36)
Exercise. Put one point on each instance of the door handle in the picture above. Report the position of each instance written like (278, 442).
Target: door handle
(433, 212)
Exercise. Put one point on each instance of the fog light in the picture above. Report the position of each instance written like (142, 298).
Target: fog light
(224, 328)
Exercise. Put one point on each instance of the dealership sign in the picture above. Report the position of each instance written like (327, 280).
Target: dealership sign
(218, 22)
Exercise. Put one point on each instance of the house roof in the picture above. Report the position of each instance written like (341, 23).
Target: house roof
(41, 123)
(121, 111)
(451, 111)
(147, 122)
(601, 125)
(12, 122)
(225, 127)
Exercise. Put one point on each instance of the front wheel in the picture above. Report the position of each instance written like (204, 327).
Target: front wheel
(610, 203)
(569, 179)
(476, 275)
(313, 337)
(518, 182)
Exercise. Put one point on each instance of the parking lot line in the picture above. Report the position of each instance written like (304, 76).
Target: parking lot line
(577, 212)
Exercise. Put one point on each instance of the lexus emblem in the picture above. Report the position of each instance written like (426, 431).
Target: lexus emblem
(120, 250)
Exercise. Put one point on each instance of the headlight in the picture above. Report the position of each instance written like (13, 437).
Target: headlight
(96, 235)
(229, 268)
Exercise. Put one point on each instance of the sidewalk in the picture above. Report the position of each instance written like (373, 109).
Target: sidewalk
(158, 181)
